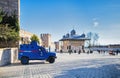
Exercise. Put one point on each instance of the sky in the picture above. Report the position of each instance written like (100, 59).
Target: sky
(59, 17)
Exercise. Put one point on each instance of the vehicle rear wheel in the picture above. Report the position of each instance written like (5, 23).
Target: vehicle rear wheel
(24, 60)
(51, 60)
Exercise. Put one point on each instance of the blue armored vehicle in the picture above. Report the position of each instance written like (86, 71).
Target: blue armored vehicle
(33, 51)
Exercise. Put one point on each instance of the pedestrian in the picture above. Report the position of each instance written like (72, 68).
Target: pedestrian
(69, 51)
(88, 52)
(117, 52)
(61, 51)
(74, 51)
(98, 51)
(83, 51)
(91, 51)
(79, 51)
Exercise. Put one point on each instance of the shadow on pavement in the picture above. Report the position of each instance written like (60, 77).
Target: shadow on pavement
(30, 63)
(106, 71)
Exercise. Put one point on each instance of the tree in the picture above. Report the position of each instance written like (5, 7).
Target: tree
(8, 35)
(93, 38)
(35, 38)
(9, 29)
(90, 35)
(10, 20)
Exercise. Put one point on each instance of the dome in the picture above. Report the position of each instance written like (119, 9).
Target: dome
(73, 32)
(64, 36)
(67, 35)
(83, 35)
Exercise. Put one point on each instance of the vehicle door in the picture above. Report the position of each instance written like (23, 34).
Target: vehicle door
(42, 53)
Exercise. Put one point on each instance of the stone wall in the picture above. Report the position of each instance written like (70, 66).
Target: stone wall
(8, 56)
(10, 6)
(14, 55)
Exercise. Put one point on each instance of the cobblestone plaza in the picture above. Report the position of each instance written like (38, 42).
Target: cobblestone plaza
(80, 66)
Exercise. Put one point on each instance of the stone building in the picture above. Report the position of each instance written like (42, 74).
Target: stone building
(114, 46)
(10, 6)
(46, 40)
(73, 41)
(57, 46)
(25, 37)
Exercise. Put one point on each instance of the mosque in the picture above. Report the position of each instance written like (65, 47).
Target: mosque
(73, 41)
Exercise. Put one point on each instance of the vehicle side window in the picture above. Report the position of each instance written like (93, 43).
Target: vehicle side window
(43, 49)
(40, 50)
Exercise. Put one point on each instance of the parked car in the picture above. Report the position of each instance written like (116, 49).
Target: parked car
(112, 53)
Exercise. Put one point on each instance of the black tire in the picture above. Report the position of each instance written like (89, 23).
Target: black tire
(51, 60)
(25, 60)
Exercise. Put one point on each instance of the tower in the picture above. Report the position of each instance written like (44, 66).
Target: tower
(46, 40)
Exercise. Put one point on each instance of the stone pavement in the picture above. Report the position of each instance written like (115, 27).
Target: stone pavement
(67, 66)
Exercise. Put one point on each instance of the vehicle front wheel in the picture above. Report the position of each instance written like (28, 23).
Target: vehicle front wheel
(24, 60)
(51, 60)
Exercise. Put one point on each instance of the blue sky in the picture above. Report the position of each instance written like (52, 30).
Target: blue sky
(59, 17)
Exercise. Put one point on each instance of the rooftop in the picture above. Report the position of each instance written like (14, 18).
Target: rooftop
(73, 36)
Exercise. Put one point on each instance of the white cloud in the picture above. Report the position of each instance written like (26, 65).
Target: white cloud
(106, 41)
(95, 23)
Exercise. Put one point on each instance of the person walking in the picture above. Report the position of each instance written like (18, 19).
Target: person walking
(69, 51)
(117, 52)
(79, 51)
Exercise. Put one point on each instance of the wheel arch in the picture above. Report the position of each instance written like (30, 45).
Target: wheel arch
(50, 57)
(24, 56)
